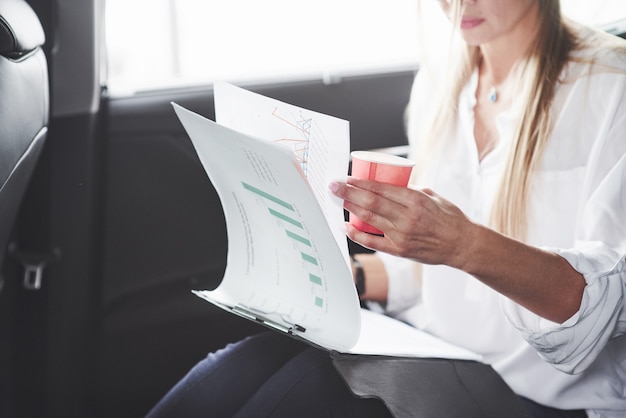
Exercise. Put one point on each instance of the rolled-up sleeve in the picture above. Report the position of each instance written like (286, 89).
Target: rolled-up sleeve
(573, 345)
(599, 254)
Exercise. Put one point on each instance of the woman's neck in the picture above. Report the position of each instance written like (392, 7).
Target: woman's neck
(501, 55)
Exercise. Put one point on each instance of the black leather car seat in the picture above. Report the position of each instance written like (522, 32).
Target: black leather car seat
(24, 107)
(24, 113)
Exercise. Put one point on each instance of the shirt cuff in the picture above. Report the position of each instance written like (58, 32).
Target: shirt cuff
(404, 287)
(573, 345)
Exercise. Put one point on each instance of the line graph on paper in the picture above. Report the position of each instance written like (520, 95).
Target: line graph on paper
(301, 141)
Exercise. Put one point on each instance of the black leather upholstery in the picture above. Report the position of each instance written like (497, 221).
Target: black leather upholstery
(20, 30)
(24, 106)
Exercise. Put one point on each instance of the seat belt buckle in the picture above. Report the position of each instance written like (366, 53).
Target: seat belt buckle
(33, 264)
(32, 276)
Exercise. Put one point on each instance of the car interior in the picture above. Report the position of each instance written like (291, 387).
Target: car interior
(108, 220)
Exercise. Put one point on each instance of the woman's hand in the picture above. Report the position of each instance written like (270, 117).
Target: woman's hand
(417, 224)
(421, 225)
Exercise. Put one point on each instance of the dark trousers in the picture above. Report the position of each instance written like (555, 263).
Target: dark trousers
(265, 375)
(274, 375)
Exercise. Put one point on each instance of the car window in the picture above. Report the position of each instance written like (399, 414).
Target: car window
(600, 13)
(152, 44)
(189, 41)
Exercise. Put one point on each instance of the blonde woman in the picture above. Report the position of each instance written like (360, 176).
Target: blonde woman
(511, 241)
(522, 229)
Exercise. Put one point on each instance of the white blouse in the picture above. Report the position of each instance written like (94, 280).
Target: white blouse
(577, 209)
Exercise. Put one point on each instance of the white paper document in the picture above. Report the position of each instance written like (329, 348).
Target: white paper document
(288, 264)
(319, 143)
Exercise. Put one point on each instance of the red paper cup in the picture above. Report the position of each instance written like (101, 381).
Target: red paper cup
(377, 166)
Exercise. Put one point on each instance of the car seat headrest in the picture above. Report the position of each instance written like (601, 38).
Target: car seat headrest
(20, 29)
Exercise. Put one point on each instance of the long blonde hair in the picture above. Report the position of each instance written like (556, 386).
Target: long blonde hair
(538, 77)
(547, 57)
